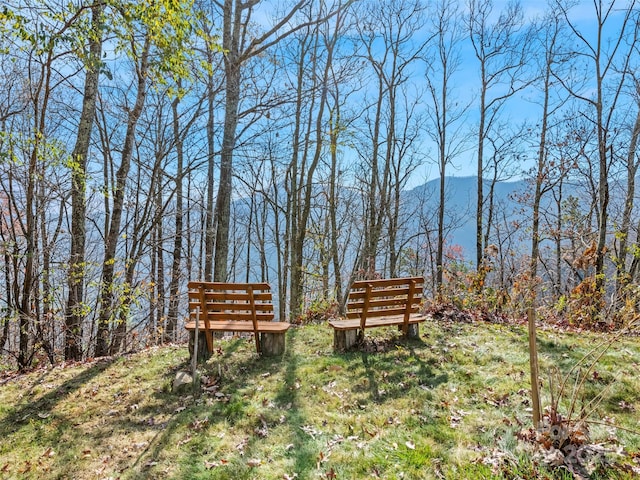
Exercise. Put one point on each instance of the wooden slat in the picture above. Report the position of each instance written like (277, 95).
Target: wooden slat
(260, 307)
(380, 291)
(382, 303)
(242, 317)
(235, 307)
(386, 292)
(386, 282)
(231, 295)
(234, 296)
(382, 313)
(196, 284)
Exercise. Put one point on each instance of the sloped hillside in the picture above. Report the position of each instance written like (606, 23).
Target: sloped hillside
(453, 405)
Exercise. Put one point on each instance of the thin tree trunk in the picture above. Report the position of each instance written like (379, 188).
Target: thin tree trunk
(632, 169)
(333, 201)
(209, 229)
(107, 297)
(174, 284)
(75, 311)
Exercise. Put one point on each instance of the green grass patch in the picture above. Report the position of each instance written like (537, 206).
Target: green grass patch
(447, 406)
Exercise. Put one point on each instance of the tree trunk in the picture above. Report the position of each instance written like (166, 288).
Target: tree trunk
(209, 228)
(174, 284)
(75, 312)
(622, 278)
(107, 297)
(232, 28)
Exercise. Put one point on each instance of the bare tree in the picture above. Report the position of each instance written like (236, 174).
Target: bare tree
(153, 52)
(307, 153)
(384, 161)
(236, 16)
(544, 182)
(608, 59)
(631, 164)
(180, 132)
(74, 314)
(107, 296)
(38, 45)
(444, 109)
(501, 48)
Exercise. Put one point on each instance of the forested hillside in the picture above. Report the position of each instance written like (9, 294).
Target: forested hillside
(144, 143)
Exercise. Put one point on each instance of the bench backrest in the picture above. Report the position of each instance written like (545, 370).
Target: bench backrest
(385, 297)
(219, 301)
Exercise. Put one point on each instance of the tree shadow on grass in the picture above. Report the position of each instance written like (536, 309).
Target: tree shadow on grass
(179, 414)
(231, 408)
(302, 443)
(42, 407)
(391, 373)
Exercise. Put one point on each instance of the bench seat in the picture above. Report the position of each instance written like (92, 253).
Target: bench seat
(239, 326)
(354, 324)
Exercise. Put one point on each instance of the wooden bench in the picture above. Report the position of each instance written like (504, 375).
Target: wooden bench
(379, 303)
(234, 307)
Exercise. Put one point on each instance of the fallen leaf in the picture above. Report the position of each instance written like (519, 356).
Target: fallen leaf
(241, 445)
(254, 462)
(210, 465)
(626, 406)
(310, 430)
(410, 445)
(26, 467)
(331, 474)
(199, 424)
(49, 452)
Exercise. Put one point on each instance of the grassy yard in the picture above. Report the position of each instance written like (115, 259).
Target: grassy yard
(451, 405)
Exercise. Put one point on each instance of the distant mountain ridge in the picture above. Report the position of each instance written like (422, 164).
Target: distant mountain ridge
(461, 203)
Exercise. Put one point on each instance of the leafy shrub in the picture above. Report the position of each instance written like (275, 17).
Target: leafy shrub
(320, 310)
